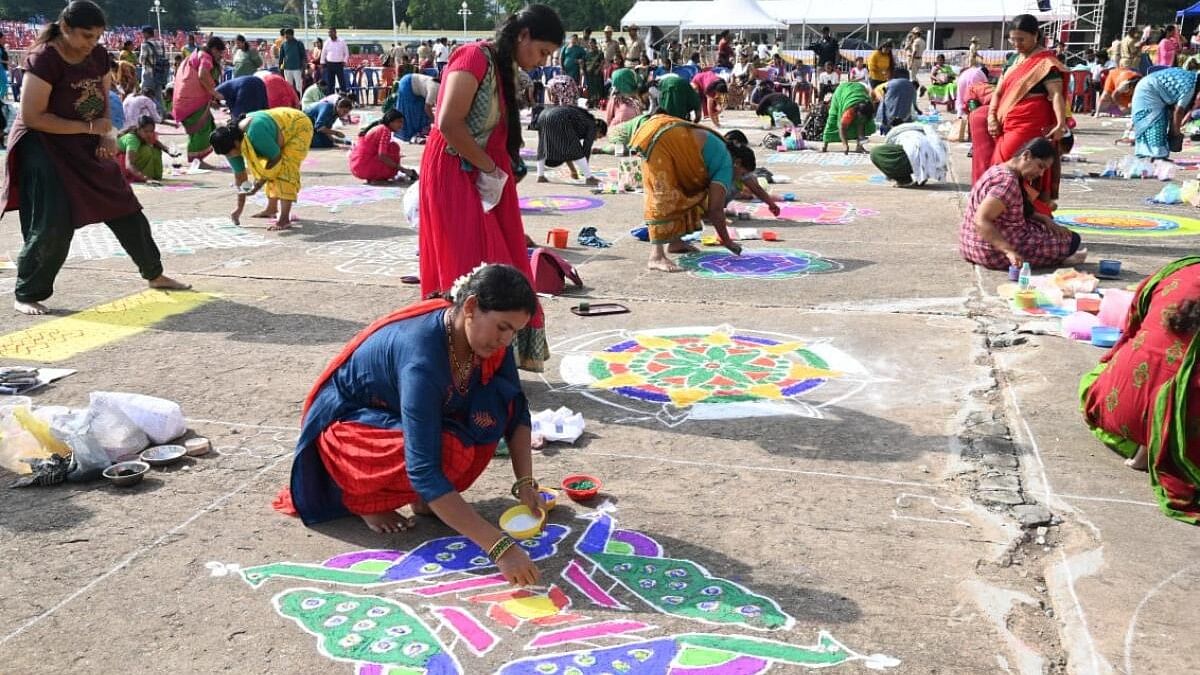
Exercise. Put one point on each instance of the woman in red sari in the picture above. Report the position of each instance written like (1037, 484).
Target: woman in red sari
(469, 211)
(979, 101)
(1029, 101)
(1143, 399)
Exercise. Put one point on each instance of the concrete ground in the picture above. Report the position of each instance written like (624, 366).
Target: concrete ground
(930, 503)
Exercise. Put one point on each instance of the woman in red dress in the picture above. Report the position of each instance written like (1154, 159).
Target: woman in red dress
(1029, 101)
(468, 209)
(1142, 400)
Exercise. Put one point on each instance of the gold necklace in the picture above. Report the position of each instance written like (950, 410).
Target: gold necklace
(460, 371)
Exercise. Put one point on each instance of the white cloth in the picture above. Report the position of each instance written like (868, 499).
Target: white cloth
(335, 51)
(925, 149)
(764, 52)
(441, 53)
(425, 87)
(137, 105)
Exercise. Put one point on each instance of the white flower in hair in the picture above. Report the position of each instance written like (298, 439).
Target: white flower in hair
(460, 284)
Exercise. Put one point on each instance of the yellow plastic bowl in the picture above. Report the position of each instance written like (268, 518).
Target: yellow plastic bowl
(510, 522)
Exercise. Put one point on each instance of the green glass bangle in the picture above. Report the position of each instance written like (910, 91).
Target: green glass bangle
(501, 546)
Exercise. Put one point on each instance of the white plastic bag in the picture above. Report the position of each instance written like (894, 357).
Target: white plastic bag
(117, 435)
(88, 459)
(412, 206)
(160, 419)
(491, 188)
(558, 425)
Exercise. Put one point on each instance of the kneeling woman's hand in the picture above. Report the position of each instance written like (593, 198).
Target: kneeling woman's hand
(517, 568)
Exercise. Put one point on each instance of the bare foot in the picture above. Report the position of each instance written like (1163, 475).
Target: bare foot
(681, 247)
(265, 214)
(279, 227)
(165, 283)
(388, 522)
(30, 308)
(1138, 462)
(420, 508)
(592, 181)
(664, 265)
(543, 179)
(1076, 258)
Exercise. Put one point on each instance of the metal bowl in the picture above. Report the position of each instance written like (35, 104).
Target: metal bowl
(162, 455)
(125, 474)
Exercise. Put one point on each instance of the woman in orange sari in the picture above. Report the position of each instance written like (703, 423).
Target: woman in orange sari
(1029, 101)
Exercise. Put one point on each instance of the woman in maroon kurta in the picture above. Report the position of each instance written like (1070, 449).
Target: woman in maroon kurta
(61, 173)
(475, 142)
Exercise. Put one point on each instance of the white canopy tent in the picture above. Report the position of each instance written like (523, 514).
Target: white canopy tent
(729, 15)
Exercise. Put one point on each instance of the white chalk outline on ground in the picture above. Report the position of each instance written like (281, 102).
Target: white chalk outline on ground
(138, 553)
(1129, 632)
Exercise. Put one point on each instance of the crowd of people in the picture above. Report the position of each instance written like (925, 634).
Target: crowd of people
(412, 410)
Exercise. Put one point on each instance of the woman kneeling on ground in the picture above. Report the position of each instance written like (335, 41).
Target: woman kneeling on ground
(141, 152)
(1000, 226)
(376, 156)
(688, 172)
(270, 145)
(410, 414)
(1142, 400)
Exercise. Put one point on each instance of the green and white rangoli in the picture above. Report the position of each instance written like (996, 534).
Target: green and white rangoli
(384, 636)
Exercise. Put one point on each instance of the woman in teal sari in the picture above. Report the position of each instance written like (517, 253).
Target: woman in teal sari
(195, 92)
(1161, 103)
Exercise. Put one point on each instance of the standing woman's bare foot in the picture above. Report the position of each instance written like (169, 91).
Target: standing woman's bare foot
(165, 283)
(388, 522)
(265, 213)
(663, 265)
(1139, 461)
(30, 308)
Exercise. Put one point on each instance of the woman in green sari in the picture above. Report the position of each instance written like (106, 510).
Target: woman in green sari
(195, 94)
(850, 115)
(141, 152)
(942, 88)
(1143, 400)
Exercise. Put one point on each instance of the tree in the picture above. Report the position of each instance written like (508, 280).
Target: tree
(577, 16)
(443, 14)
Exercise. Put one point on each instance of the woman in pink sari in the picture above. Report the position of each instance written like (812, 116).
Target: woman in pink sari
(196, 92)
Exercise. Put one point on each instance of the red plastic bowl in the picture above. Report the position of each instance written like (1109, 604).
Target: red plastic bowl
(581, 495)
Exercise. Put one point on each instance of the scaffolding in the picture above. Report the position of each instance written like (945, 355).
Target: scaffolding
(1078, 34)
(1130, 20)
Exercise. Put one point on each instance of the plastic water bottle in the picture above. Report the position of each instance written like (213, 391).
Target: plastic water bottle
(1026, 277)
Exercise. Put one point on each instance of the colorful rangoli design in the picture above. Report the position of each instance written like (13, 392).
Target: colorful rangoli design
(823, 213)
(559, 203)
(387, 258)
(386, 636)
(771, 264)
(709, 373)
(841, 178)
(174, 237)
(336, 196)
(1126, 223)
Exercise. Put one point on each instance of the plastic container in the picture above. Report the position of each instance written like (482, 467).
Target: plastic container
(1014, 273)
(1114, 308)
(1087, 302)
(1079, 325)
(521, 523)
(1025, 299)
(549, 497)
(1105, 336)
(557, 237)
(1025, 278)
(1110, 268)
(581, 493)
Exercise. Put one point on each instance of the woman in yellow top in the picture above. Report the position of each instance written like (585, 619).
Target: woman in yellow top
(271, 145)
(880, 64)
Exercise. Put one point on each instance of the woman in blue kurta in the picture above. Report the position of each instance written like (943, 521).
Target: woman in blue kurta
(410, 413)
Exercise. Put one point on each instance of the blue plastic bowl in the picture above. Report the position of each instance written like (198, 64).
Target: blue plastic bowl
(1105, 336)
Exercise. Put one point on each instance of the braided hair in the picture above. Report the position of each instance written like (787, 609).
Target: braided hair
(543, 24)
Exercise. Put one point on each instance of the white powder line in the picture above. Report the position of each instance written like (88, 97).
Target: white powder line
(242, 424)
(147, 548)
(1129, 632)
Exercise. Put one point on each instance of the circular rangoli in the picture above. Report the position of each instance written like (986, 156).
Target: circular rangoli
(1126, 223)
(559, 203)
(769, 264)
(824, 213)
(709, 372)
